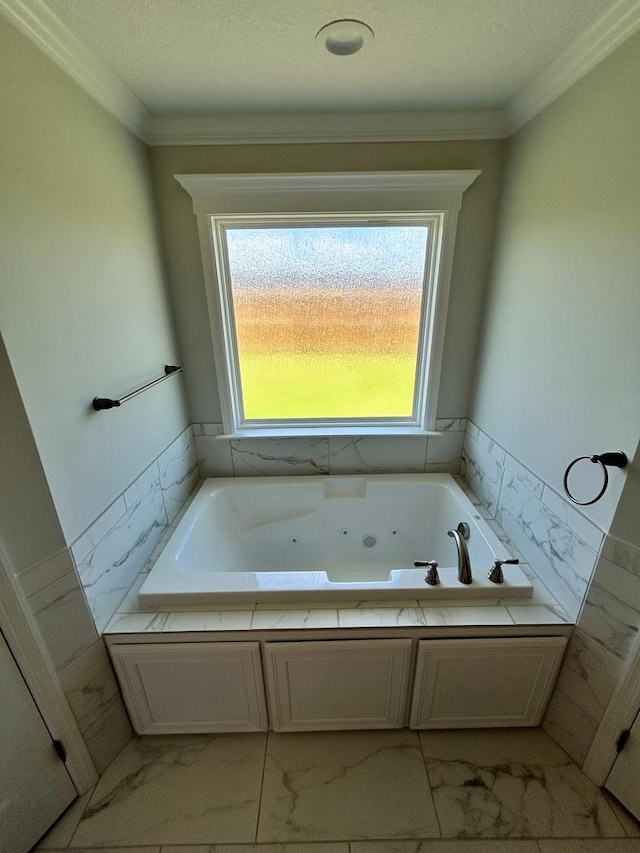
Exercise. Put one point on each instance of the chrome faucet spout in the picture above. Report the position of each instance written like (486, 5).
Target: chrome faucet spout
(464, 563)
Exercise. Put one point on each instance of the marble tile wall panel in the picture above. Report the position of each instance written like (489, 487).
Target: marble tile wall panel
(109, 735)
(90, 685)
(108, 571)
(150, 478)
(280, 457)
(559, 542)
(444, 452)
(214, 455)
(178, 467)
(523, 475)
(36, 577)
(63, 618)
(451, 424)
(589, 675)
(346, 455)
(98, 529)
(611, 612)
(562, 559)
(573, 519)
(569, 726)
(483, 466)
(377, 454)
(623, 554)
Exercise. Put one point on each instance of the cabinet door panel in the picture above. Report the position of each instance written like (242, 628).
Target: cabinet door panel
(192, 687)
(484, 682)
(350, 684)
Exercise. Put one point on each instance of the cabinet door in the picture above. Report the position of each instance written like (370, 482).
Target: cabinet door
(192, 687)
(34, 784)
(475, 683)
(336, 684)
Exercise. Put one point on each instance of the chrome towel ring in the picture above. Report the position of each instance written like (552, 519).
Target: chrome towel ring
(615, 459)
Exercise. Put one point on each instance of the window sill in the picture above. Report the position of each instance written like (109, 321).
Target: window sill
(325, 432)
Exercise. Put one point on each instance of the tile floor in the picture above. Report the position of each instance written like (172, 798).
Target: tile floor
(482, 791)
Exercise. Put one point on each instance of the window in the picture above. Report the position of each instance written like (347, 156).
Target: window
(328, 297)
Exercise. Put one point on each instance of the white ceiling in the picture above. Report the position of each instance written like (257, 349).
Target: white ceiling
(207, 56)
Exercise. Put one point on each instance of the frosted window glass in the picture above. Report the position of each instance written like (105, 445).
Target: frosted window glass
(327, 319)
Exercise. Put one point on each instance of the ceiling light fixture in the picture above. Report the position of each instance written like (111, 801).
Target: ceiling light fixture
(344, 38)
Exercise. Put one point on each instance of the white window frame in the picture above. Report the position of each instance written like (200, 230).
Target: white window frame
(432, 198)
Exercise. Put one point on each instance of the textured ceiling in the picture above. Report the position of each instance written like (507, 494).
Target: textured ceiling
(196, 56)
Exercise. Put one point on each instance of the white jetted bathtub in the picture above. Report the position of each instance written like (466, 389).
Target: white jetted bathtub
(330, 538)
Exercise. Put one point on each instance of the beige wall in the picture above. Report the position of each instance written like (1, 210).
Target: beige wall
(559, 360)
(24, 494)
(475, 232)
(83, 308)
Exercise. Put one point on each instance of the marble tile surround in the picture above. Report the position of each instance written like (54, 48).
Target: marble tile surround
(611, 613)
(595, 577)
(594, 662)
(559, 542)
(89, 685)
(332, 455)
(94, 696)
(56, 607)
(113, 550)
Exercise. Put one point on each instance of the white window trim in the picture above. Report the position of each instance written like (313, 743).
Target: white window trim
(407, 193)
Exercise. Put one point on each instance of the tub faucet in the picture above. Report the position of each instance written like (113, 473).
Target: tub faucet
(461, 534)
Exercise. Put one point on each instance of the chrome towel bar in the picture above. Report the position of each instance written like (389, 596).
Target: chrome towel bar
(101, 403)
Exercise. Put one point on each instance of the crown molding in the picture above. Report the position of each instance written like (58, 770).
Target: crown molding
(282, 128)
(600, 38)
(39, 23)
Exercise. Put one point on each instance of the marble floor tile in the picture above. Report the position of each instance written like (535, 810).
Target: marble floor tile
(146, 849)
(626, 820)
(608, 845)
(330, 847)
(177, 789)
(345, 785)
(446, 846)
(515, 783)
(61, 833)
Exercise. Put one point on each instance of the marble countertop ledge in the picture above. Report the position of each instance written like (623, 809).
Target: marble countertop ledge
(304, 618)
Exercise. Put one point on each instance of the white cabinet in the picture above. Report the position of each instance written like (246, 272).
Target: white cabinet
(338, 684)
(192, 687)
(485, 682)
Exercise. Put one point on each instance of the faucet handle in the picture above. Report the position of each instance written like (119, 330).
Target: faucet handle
(431, 576)
(496, 574)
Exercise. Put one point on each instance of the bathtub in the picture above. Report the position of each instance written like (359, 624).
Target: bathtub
(325, 538)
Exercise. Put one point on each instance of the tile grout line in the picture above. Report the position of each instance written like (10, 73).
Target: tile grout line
(264, 767)
(431, 797)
